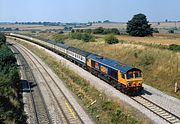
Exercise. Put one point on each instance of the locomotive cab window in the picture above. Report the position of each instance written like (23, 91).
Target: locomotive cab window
(129, 75)
(138, 74)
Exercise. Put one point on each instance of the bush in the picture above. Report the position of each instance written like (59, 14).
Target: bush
(2, 38)
(171, 31)
(101, 30)
(98, 30)
(87, 37)
(60, 38)
(111, 39)
(82, 36)
(155, 30)
(174, 47)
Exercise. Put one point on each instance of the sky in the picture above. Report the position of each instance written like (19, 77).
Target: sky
(87, 10)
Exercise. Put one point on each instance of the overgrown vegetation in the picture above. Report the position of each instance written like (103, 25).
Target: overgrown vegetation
(102, 109)
(86, 37)
(60, 38)
(2, 38)
(99, 30)
(111, 39)
(11, 108)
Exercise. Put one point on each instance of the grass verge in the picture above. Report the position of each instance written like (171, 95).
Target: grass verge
(101, 109)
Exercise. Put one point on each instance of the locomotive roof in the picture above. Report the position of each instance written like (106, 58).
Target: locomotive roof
(79, 51)
(63, 45)
(111, 63)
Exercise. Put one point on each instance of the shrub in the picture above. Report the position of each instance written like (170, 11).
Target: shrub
(87, 37)
(98, 30)
(111, 39)
(155, 30)
(2, 38)
(101, 30)
(82, 36)
(174, 47)
(60, 38)
(171, 31)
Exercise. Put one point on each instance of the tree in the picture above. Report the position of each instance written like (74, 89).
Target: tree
(98, 30)
(111, 39)
(171, 31)
(2, 38)
(138, 26)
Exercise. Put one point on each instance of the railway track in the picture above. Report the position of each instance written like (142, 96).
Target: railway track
(158, 110)
(38, 108)
(67, 112)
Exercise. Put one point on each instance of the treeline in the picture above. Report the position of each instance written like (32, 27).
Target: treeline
(99, 30)
(86, 37)
(9, 29)
(11, 106)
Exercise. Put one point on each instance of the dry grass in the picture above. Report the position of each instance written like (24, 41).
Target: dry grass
(166, 25)
(107, 25)
(163, 39)
(161, 68)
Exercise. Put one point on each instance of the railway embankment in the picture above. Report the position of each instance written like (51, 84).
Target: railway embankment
(102, 108)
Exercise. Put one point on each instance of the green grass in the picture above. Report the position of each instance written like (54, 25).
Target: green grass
(101, 109)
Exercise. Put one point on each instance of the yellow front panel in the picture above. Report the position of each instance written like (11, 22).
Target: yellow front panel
(135, 82)
(120, 79)
(89, 62)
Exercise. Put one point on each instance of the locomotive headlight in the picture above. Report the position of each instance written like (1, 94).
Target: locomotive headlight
(129, 83)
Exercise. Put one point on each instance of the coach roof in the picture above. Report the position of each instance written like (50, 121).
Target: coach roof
(79, 51)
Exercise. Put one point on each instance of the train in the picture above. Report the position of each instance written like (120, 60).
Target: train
(124, 78)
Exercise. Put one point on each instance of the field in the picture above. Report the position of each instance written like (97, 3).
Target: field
(164, 39)
(123, 25)
(30, 27)
(163, 26)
